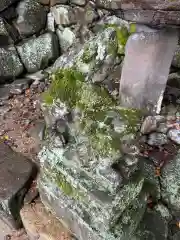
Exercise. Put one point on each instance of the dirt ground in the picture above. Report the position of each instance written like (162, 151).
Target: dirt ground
(20, 121)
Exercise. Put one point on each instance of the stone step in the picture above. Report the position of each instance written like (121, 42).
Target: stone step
(102, 177)
(16, 176)
(41, 224)
(98, 210)
(125, 227)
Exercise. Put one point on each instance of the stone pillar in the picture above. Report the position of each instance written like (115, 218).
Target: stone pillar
(148, 57)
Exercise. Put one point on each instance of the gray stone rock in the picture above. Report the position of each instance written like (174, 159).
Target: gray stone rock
(170, 183)
(149, 172)
(31, 17)
(176, 236)
(50, 22)
(8, 34)
(174, 135)
(157, 139)
(65, 15)
(5, 39)
(6, 3)
(9, 13)
(176, 58)
(61, 14)
(11, 65)
(83, 33)
(66, 38)
(149, 125)
(4, 93)
(144, 89)
(16, 177)
(20, 85)
(37, 53)
(37, 76)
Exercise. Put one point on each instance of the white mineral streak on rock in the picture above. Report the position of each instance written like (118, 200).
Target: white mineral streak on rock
(148, 57)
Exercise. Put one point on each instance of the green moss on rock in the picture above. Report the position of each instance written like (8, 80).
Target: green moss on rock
(88, 55)
(117, 46)
(98, 110)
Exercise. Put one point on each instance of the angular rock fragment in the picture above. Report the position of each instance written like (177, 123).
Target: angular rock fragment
(16, 175)
(37, 53)
(144, 74)
(6, 3)
(11, 65)
(66, 38)
(20, 85)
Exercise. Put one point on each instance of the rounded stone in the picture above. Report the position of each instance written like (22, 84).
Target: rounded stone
(174, 135)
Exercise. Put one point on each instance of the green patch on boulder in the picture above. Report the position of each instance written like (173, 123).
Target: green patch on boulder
(98, 110)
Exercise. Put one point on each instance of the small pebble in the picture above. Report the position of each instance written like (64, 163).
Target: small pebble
(174, 135)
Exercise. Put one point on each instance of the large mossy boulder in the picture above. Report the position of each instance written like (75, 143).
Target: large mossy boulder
(90, 176)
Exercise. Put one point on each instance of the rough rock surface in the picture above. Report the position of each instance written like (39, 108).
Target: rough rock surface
(11, 65)
(6, 3)
(170, 182)
(37, 53)
(41, 224)
(31, 17)
(16, 176)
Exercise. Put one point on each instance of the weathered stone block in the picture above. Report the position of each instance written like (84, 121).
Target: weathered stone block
(11, 65)
(37, 53)
(16, 175)
(82, 215)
